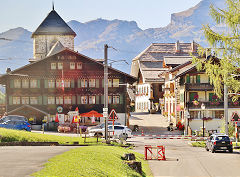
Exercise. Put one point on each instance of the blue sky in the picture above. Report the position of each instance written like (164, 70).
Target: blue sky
(147, 13)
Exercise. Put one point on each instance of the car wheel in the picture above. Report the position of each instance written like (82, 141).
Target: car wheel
(98, 134)
(206, 148)
(213, 150)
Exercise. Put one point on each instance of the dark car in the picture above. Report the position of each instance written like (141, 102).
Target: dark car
(17, 125)
(13, 118)
(219, 142)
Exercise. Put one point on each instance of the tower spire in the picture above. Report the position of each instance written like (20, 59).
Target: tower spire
(52, 5)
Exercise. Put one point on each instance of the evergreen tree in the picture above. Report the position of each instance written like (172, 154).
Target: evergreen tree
(224, 45)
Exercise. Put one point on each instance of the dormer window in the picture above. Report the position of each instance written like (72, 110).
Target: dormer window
(53, 66)
(79, 65)
(60, 65)
(72, 65)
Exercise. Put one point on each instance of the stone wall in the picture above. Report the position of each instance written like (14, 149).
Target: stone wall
(42, 44)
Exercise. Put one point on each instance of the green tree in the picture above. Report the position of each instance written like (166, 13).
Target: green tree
(225, 46)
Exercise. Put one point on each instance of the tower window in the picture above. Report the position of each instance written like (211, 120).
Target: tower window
(53, 65)
(72, 65)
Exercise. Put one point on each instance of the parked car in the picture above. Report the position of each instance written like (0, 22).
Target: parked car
(219, 142)
(17, 125)
(119, 130)
(13, 118)
(102, 125)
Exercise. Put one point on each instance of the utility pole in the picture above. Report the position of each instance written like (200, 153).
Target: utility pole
(226, 108)
(105, 109)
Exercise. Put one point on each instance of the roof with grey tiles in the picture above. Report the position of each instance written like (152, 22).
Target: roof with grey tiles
(152, 58)
(57, 47)
(53, 24)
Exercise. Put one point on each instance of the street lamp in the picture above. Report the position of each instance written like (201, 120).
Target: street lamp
(203, 108)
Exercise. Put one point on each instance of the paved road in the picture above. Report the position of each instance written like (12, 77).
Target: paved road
(19, 161)
(184, 160)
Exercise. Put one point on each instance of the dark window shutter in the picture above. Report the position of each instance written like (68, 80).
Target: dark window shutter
(78, 99)
(79, 83)
(102, 99)
(97, 83)
(192, 96)
(45, 100)
(121, 99)
(45, 83)
(72, 84)
(210, 96)
(97, 99)
(10, 100)
(38, 83)
(73, 99)
(188, 79)
(40, 100)
(198, 79)
(11, 84)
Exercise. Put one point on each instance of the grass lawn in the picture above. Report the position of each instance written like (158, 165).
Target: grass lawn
(92, 161)
(8, 135)
(199, 144)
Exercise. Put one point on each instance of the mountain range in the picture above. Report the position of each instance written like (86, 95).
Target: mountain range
(124, 36)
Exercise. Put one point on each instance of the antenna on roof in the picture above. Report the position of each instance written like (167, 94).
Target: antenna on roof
(52, 5)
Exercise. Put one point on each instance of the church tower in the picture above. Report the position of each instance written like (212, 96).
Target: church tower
(51, 31)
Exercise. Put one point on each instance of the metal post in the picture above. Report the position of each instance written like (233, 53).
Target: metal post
(106, 88)
(203, 122)
(226, 108)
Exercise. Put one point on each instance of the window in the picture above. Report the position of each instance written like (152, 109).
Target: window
(115, 82)
(25, 100)
(109, 82)
(33, 100)
(83, 99)
(72, 65)
(67, 100)
(33, 83)
(109, 99)
(219, 114)
(60, 65)
(51, 100)
(116, 99)
(17, 83)
(25, 83)
(16, 100)
(51, 83)
(193, 79)
(84, 83)
(67, 83)
(91, 99)
(194, 114)
(53, 65)
(59, 100)
(58, 83)
(79, 65)
(92, 83)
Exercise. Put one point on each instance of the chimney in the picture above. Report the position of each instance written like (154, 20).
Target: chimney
(8, 70)
(177, 46)
(193, 46)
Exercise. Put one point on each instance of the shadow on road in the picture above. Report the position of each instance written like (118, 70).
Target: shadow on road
(154, 130)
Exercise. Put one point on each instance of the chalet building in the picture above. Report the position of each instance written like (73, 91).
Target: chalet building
(189, 98)
(59, 80)
(148, 67)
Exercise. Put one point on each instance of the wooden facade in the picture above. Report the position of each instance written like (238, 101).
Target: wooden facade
(36, 90)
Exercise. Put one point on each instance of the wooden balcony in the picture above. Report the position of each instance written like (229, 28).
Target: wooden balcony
(198, 86)
(208, 105)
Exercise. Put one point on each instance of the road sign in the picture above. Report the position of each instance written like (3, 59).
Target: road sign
(105, 114)
(113, 115)
(105, 109)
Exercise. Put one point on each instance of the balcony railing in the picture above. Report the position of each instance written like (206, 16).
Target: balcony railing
(209, 104)
(198, 86)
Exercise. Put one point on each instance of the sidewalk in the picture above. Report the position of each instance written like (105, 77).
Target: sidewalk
(151, 124)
